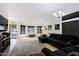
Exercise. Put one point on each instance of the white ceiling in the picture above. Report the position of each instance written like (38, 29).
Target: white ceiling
(33, 11)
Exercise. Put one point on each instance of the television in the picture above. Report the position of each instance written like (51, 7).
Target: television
(3, 23)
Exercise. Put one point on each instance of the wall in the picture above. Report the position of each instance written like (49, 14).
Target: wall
(3, 10)
(40, 14)
(27, 24)
(33, 17)
(38, 22)
(57, 21)
(70, 24)
(34, 14)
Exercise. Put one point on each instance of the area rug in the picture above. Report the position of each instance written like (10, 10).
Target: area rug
(26, 48)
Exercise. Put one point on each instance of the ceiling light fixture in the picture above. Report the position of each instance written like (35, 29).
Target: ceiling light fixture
(59, 14)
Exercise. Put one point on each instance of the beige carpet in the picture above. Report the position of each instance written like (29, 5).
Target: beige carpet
(26, 47)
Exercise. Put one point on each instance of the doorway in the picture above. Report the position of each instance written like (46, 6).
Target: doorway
(13, 31)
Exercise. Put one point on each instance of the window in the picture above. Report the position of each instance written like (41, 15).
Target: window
(39, 29)
(31, 29)
(23, 29)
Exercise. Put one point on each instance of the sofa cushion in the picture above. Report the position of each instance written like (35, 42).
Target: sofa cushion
(53, 36)
(58, 42)
(71, 49)
(68, 37)
(73, 54)
(6, 34)
(1, 36)
(48, 52)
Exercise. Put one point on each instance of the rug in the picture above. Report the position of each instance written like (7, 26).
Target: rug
(26, 47)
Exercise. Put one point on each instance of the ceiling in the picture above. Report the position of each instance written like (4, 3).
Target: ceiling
(34, 11)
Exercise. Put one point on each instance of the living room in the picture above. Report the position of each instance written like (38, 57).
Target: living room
(32, 29)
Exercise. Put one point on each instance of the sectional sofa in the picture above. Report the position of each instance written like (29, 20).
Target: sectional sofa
(4, 41)
(59, 40)
(68, 51)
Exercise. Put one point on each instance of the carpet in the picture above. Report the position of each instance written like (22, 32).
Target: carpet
(26, 47)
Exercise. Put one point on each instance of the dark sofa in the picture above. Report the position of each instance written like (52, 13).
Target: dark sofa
(68, 51)
(4, 41)
(59, 40)
(43, 38)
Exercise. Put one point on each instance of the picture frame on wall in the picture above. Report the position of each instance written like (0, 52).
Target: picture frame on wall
(57, 26)
(45, 27)
(49, 27)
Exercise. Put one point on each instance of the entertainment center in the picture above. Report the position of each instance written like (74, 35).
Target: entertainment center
(4, 35)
